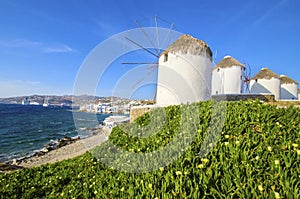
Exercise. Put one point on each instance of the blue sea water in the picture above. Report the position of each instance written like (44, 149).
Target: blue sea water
(26, 129)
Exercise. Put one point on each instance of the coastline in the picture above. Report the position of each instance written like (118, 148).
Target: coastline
(65, 148)
(71, 150)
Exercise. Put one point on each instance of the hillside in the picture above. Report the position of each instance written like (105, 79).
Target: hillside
(256, 155)
(65, 99)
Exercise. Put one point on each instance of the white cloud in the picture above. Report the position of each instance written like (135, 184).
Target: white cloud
(20, 43)
(39, 46)
(59, 49)
(269, 12)
(105, 27)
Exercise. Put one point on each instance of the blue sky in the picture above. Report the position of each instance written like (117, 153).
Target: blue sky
(43, 43)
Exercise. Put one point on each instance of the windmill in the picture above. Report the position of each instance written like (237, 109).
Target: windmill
(246, 78)
(154, 52)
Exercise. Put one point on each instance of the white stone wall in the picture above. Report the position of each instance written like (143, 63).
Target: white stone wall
(262, 86)
(183, 78)
(227, 80)
(289, 91)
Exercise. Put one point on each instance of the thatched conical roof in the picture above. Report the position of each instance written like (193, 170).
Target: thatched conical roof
(286, 80)
(187, 44)
(228, 62)
(265, 73)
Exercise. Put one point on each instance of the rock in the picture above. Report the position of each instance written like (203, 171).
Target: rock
(44, 150)
(14, 161)
(39, 153)
(8, 167)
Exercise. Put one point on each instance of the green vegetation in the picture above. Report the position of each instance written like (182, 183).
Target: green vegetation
(257, 155)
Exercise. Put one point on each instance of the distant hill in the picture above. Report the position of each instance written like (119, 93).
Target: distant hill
(65, 99)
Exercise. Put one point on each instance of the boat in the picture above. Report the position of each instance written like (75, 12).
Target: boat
(25, 101)
(46, 102)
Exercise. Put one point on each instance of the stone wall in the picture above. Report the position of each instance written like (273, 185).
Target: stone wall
(233, 97)
(137, 111)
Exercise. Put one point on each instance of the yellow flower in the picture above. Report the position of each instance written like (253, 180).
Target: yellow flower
(200, 166)
(95, 192)
(237, 142)
(273, 187)
(269, 148)
(178, 172)
(277, 162)
(260, 188)
(295, 145)
(122, 189)
(185, 173)
(298, 152)
(150, 186)
(227, 136)
(277, 195)
(257, 157)
(161, 168)
(226, 143)
(205, 160)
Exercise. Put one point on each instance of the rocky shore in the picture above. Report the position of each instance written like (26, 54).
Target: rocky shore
(56, 151)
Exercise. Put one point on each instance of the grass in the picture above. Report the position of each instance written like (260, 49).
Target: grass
(256, 156)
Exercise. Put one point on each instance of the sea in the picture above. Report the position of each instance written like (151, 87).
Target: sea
(26, 129)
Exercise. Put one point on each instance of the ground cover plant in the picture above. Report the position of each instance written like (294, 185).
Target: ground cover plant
(256, 156)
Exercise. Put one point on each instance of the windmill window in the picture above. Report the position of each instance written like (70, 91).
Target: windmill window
(166, 57)
(255, 80)
(218, 70)
(241, 77)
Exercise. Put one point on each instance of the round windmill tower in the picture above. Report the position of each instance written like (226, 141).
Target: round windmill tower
(288, 88)
(184, 72)
(266, 82)
(227, 77)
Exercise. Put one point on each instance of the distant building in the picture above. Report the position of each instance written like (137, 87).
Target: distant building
(266, 82)
(184, 72)
(227, 77)
(288, 88)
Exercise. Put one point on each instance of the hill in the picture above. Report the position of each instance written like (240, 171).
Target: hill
(256, 155)
(58, 100)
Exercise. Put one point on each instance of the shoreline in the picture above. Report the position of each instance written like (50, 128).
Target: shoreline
(65, 148)
(73, 149)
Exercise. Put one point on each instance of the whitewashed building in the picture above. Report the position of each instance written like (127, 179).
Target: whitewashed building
(288, 88)
(266, 82)
(184, 72)
(227, 77)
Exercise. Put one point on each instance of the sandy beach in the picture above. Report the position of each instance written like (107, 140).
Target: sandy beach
(66, 152)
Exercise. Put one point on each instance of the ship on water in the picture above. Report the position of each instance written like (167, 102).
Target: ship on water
(25, 101)
(46, 102)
